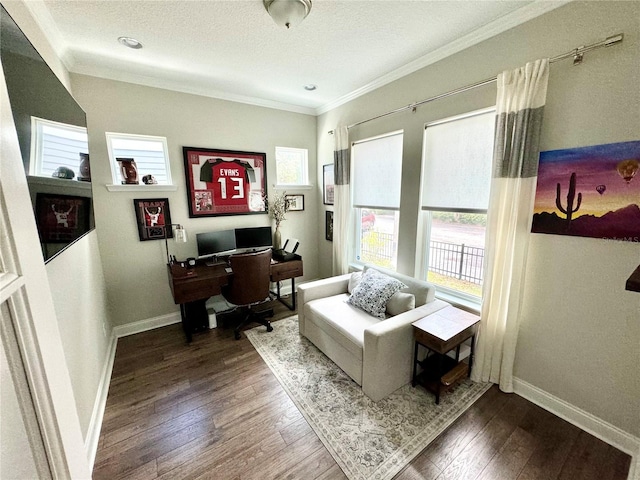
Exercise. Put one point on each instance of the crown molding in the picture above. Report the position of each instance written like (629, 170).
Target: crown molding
(162, 83)
(502, 24)
(45, 21)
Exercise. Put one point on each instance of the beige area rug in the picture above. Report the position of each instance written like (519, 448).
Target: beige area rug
(369, 440)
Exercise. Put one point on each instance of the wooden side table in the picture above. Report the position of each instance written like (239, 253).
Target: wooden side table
(440, 333)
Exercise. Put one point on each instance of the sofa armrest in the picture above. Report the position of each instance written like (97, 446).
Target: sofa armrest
(326, 287)
(387, 355)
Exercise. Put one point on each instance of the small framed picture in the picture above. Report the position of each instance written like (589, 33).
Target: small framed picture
(295, 202)
(62, 218)
(327, 184)
(329, 226)
(153, 216)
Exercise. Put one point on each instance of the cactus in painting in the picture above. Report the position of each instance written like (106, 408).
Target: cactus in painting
(569, 211)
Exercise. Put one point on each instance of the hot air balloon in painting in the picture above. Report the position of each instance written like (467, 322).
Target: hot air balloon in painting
(627, 169)
(601, 189)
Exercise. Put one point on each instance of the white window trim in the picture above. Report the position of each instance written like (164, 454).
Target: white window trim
(288, 187)
(141, 187)
(117, 187)
(356, 224)
(423, 232)
(303, 186)
(35, 151)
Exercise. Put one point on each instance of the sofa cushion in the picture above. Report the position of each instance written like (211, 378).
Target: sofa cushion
(354, 281)
(400, 302)
(424, 292)
(373, 292)
(342, 322)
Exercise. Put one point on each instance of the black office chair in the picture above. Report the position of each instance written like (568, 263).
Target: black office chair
(249, 287)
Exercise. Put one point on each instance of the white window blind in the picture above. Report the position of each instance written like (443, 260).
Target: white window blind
(149, 153)
(377, 172)
(457, 159)
(54, 145)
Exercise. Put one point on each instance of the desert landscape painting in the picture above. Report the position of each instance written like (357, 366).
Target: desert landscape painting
(590, 192)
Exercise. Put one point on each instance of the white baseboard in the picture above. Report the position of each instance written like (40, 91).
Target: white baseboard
(95, 425)
(285, 287)
(148, 324)
(597, 427)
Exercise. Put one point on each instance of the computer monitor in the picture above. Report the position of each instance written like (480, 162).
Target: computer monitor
(253, 239)
(210, 244)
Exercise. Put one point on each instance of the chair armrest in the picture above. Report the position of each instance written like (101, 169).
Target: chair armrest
(387, 357)
(326, 287)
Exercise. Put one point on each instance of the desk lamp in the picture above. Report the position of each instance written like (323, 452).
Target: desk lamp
(179, 236)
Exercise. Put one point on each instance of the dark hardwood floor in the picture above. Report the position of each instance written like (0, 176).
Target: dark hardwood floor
(214, 410)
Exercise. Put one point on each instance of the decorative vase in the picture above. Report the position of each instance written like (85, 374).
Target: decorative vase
(85, 168)
(128, 170)
(277, 238)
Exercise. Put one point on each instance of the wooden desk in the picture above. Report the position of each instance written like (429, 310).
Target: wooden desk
(207, 282)
(192, 291)
(283, 271)
(441, 332)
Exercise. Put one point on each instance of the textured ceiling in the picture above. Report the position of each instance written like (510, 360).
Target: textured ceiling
(233, 49)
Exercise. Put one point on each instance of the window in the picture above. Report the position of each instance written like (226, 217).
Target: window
(377, 172)
(292, 166)
(456, 166)
(54, 145)
(149, 153)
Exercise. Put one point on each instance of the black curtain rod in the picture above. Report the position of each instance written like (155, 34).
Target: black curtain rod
(577, 54)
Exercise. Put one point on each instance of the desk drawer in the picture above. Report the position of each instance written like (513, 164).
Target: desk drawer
(197, 289)
(285, 270)
(439, 345)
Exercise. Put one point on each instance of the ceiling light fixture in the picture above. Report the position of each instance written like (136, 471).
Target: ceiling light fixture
(310, 86)
(130, 42)
(287, 13)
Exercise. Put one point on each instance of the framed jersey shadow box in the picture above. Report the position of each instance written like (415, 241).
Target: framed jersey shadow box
(225, 182)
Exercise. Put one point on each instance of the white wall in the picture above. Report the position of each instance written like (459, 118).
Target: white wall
(75, 276)
(135, 271)
(80, 301)
(580, 333)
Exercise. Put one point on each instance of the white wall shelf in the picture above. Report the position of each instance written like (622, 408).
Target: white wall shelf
(141, 188)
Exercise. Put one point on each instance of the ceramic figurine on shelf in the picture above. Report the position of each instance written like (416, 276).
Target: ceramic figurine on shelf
(85, 168)
(149, 180)
(63, 172)
(128, 170)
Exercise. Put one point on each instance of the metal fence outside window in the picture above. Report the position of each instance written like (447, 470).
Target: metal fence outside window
(377, 248)
(459, 261)
(450, 259)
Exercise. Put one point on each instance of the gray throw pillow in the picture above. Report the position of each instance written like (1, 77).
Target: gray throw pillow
(373, 292)
(400, 302)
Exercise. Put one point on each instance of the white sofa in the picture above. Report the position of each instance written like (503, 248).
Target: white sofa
(377, 354)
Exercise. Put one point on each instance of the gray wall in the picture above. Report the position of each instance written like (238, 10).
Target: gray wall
(580, 329)
(135, 271)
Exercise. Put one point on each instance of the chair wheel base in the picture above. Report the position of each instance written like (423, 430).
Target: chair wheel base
(269, 328)
(236, 334)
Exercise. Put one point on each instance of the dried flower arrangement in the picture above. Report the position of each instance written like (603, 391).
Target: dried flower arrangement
(278, 207)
